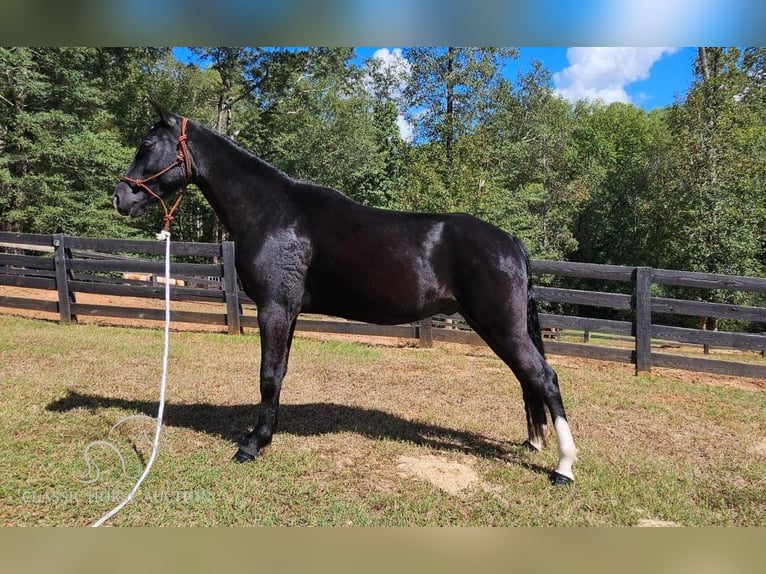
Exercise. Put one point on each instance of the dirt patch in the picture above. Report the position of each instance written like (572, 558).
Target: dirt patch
(674, 374)
(114, 301)
(449, 476)
(759, 448)
(655, 523)
(708, 379)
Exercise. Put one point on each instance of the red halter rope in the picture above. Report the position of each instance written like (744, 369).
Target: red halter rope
(183, 159)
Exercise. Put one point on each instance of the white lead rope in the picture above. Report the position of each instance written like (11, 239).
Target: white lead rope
(163, 235)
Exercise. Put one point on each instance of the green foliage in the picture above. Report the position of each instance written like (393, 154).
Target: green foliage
(423, 187)
(60, 151)
(529, 152)
(707, 195)
(615, 145)
(682, 187)
(450, 91)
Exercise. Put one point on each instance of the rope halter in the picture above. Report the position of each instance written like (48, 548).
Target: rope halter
(183, 159)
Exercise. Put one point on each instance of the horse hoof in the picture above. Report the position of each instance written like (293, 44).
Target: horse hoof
(526, 445)
(242, 456)
(560, 480)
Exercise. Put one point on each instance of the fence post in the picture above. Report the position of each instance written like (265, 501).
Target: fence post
(642, 325)
(65, 296)
(425, 333)
(230, 288)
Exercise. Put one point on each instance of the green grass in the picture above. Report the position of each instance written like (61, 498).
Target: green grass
(651, 447)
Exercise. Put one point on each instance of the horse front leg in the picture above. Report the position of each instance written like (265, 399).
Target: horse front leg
(276, 327)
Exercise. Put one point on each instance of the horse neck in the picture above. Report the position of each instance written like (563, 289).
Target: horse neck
(240, 187)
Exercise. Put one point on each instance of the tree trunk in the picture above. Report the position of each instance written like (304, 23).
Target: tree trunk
(704, 68)
(449, 133)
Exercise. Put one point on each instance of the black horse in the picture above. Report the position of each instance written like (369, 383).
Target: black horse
(302, 247)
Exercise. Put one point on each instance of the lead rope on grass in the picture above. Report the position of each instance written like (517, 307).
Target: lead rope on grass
(162, 235)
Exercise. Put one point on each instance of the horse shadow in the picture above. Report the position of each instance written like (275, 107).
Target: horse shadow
(312, 419)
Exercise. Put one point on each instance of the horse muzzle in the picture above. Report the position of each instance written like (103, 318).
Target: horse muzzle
(129, 202)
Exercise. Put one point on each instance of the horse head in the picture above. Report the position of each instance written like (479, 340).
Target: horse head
(161, 167)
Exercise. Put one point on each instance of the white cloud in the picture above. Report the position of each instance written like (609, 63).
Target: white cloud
(388, 74)
(394, 64)
(388, 71)
(603, 73)
(406, 129)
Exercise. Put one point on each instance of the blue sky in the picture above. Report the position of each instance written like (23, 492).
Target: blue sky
(646, 77)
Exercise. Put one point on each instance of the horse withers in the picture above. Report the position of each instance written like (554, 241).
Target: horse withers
(306, 248)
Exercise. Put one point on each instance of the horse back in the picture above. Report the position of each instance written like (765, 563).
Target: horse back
(390, 267)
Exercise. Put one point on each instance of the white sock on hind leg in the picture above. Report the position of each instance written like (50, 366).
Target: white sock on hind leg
(567, 448)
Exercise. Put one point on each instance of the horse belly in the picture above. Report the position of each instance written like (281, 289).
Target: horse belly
(400, 296)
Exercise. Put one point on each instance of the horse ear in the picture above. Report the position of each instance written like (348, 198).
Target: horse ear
(165, 116)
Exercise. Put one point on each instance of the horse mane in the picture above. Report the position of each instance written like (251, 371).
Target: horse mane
(240, 150)
(265, 166)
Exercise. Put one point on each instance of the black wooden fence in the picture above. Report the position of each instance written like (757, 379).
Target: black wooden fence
(206, 273)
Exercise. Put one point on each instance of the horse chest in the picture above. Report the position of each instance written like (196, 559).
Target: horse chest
(277, 264)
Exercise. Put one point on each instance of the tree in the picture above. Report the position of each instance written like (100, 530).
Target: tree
(709, 198)
(451, 94)
(617, 146)
(60, 152)
(240, 72)
(315, 118)
(531, 188)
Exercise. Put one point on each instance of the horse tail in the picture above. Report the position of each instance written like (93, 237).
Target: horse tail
(533, 320)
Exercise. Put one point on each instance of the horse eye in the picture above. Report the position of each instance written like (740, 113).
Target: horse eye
(147, 143)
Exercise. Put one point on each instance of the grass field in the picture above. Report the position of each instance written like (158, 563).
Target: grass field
(369, 435)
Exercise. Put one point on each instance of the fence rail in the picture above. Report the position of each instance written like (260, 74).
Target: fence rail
(206, 273)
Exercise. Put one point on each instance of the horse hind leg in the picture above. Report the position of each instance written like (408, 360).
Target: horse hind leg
(566, 447)
(537, 421)
(540, 382)
(540, 388)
